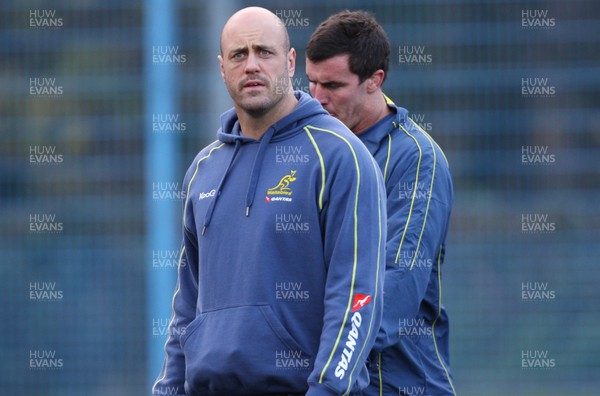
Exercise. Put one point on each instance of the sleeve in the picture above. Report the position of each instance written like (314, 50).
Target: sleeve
(171, 379)
(353, 226)
(418, 203)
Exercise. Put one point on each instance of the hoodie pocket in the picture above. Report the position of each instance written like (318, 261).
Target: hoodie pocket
(243, 349)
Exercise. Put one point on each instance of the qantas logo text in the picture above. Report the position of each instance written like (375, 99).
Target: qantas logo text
(359, 302)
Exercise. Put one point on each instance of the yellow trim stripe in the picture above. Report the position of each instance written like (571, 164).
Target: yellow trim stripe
(380, 374)
(376, 294)
(355, 259)
(432, 143)
(310, 136)
(428, 203)
(170, 322)
(388, 100)
(177, 288)
(439, 265)
(430, 139)
(414, 195)
(412, 202)
(187, 195)
(387, 161)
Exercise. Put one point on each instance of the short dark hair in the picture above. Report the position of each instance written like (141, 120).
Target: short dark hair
(357, 34)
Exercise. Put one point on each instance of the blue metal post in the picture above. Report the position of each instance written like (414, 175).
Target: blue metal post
(160, 162)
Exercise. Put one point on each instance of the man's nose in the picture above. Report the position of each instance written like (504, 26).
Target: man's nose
(319, 93)
(251, 63)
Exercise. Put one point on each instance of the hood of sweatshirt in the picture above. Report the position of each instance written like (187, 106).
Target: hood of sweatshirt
(373, 136)
(289, 125)
(286, 127)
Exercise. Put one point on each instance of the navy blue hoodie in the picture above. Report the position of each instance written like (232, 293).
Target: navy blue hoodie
(411, 354)
(282, 261)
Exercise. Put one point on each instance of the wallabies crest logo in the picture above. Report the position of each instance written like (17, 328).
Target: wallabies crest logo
(282, 191)
(282, 188)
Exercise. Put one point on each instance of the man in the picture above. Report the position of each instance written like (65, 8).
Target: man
(347, 62)
(279, 284)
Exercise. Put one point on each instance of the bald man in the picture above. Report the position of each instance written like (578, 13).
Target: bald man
(281, 265)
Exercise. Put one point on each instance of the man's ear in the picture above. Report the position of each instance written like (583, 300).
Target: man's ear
(291, 59)
(220, 58)
(375, 81)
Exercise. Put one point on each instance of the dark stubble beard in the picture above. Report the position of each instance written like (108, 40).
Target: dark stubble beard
(280, 90)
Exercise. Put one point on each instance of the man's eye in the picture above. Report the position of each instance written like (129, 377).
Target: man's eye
(238, 55)
(265, 52)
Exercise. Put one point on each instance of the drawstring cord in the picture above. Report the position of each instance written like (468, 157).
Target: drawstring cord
(256, 168)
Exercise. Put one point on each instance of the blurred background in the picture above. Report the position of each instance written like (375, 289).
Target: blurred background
(104, 104)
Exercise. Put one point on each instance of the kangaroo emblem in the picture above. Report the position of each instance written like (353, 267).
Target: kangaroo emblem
(360, 301)
(283, 184)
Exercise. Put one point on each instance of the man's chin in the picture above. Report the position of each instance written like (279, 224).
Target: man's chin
(256, 104)
(256, 109)
(338, 117)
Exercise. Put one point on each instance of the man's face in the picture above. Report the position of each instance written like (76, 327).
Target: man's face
(338, 89)
(256, 65)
